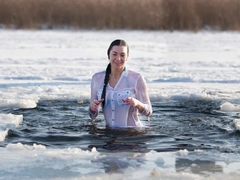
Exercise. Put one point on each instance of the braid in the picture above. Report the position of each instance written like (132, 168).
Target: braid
(117, 42)
(106, 79)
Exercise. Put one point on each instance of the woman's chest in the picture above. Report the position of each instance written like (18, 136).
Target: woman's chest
(117, 96)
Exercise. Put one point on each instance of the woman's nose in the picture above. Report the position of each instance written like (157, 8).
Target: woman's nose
(118, 57)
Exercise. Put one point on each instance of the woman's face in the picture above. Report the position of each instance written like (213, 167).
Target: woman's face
(118, 57)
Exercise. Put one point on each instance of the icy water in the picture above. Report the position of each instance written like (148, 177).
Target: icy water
(193, 82)
(174, 126)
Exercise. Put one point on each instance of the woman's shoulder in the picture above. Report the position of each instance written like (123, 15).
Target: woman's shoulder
(101, 73)
(135, 77)
(99, 76)
(133, 73)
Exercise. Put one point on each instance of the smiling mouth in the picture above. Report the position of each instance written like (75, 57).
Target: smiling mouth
(118, 63)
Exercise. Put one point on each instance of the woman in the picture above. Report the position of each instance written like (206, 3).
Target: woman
(122, 92)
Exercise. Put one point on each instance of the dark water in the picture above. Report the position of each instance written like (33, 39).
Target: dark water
(174, 125)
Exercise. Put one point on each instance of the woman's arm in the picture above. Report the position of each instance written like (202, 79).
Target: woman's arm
(135, 103)
(142, 101)
(144, 105)
(92, 111)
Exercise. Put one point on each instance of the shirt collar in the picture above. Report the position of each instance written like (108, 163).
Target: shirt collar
(125, 72)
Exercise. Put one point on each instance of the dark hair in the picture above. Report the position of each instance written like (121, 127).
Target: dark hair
(117, 42)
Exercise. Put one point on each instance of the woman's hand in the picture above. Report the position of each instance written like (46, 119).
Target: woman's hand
(95, 105)
(135, 103)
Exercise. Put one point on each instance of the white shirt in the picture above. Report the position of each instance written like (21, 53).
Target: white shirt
(116, 112)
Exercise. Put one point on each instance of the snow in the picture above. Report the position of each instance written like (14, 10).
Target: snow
(37, 65)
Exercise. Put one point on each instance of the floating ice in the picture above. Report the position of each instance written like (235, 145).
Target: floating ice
(229, 107)
(18, 103)
(8, 121)
(237, 123)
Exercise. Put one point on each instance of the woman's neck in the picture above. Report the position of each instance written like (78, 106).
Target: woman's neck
(115, 76)
(116, 73)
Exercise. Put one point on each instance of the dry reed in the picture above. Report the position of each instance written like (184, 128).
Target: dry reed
(192, 15)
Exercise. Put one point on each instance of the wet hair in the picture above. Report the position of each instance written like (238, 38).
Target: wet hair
(117, 42)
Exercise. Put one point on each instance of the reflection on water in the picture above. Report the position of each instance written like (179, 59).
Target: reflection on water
(121, 146)
(118, 163)
(119, 139)
(197, 166)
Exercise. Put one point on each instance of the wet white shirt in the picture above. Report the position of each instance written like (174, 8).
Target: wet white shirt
(116, 112)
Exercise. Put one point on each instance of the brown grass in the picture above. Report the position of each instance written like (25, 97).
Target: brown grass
(192, 15)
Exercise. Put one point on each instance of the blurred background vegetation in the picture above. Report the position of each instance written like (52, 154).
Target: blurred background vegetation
(191, 15)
